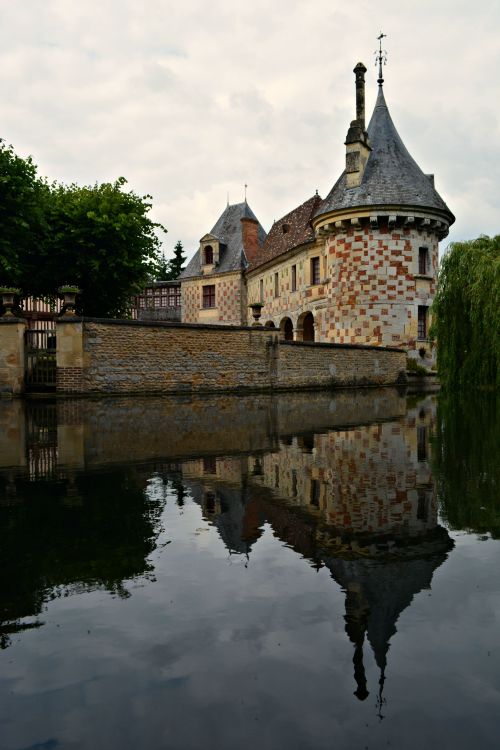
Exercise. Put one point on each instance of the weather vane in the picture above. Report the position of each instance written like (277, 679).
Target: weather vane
(380, 58)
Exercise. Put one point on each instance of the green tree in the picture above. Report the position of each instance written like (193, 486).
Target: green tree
(169, 270)
(163, 269)
(466, 314)
(177, 263)
(20, 214)
(99, 238)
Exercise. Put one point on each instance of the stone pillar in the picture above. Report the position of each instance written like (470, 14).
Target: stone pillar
(69, 355)
(12, 433)
(12, 355)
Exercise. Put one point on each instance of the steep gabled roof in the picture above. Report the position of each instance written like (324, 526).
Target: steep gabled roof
(290, 231)
(391, 177)
(228, 230)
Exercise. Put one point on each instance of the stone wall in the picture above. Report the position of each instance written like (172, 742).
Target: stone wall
(11, 356)
(128, 357)
(131, 357)
(302, 364)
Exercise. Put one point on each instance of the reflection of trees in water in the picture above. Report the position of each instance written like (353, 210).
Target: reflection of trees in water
(466, 461)
(89, 531)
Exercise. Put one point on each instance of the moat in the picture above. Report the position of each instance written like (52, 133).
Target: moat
(298, 571)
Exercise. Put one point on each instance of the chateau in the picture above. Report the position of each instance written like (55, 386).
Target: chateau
(358, 267)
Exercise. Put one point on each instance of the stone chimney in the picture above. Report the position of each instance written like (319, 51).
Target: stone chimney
(250, 236)
(357, 145)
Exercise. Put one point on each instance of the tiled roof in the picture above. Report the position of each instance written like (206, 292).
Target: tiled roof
(391, 177)
(290, 231)
(228, 230)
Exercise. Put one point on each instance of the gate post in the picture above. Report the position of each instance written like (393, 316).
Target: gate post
(69, 355)
(12, 355)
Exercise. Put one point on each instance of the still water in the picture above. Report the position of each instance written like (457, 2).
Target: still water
(298, 571)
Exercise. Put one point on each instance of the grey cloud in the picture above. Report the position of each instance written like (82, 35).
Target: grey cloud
(190, 101)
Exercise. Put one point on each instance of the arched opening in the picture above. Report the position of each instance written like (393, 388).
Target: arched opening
(286, 328)
(308, 327)
(209, 255)
(305, 327)
(270, 324)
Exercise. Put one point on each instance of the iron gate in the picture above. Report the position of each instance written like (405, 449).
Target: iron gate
(40, 365)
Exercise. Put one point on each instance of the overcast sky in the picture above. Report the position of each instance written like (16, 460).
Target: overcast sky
(190, 99)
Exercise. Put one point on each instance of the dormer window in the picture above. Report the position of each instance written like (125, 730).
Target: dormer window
(209, 255)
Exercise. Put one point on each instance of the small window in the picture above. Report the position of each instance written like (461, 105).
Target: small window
(315, 270)
(209, 295)
(315, 492)
(262, 290)
(421, 443)
(210, 502)
(276, 285)
(423, 261)
(209, 255)
(422, 322)
(423, 504)
(294, 278)
(285, 228)
(209, 465)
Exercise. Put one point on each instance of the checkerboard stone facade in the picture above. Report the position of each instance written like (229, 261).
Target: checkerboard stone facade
(230, 299)
(370, 287)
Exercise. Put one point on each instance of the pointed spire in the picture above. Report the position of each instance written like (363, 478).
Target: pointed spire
(380, 58)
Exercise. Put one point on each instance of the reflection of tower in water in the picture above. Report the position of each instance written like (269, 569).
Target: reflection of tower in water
(359, 500)
(379, 589)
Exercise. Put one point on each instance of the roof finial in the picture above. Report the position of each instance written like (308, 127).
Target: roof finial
(380, 58)
(246, 192)
(228, 198)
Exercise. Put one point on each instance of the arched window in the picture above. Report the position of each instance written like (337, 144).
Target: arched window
(209, 255)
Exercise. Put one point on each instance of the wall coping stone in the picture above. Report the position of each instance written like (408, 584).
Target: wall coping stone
(8, 320)
(329, 345)
(165, 324)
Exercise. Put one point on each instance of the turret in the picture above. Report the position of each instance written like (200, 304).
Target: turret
(381, 223)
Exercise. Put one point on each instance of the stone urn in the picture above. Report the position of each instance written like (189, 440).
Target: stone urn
(256, 308)
(8, 295)
(68, 294)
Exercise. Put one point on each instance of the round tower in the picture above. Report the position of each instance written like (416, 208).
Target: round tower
(381, 222)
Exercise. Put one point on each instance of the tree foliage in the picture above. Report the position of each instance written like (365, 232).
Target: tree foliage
(169, 270)
(465, 460)
(98, 237)
(466, 314)
(20, 213)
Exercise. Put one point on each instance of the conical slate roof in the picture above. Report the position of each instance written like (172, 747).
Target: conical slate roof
(391, 177)
(228, 231)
